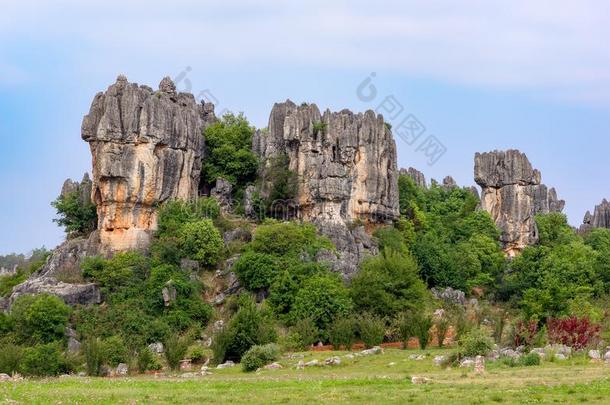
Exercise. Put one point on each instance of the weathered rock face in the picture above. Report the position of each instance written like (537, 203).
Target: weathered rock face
(147, 148)
(599, 219)
(63, 264)
(417, 176)
(513, 194)
(83, 188)
(345, 164)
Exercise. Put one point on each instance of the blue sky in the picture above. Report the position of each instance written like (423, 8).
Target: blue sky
(479, 75)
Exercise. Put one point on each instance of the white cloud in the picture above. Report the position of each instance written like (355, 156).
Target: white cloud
(556, 48)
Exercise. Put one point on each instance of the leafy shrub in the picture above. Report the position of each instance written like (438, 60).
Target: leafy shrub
(114, 351)
(531, 359)
(249, 326)
(229, 152)
(319, 127)
(388, 284)
(7, 324)
(283, 239)
(258, 356)
(196, 354)
(442, 327)
(342, 333)
(176, 348)
(476, 343)
(43, 360)
(525, 332)
(77, 214)
(322, 298)
(173, 214)
(283, 186)
(94, 356)
(421, 323)
(201, 241)
(40, 318)
(578, 333)
(11, 356)
(371, 330)
(307, 331)
(256, 270)
(146, 360)
(404, 328)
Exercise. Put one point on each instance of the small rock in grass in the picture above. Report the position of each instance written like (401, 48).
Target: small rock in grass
(420, 380)
(122, 369)
(479, 364)
(607, 356)
(595, 355)
(227, 364)
(188, 375)
(300, 365)
(312, 363)
(439, 360)
(351, 356)
(560, 356)
(417, 357)
(5, 377)
(332, 361)
(374, 350)
(273, 366)
(392, 364)
(467, 363)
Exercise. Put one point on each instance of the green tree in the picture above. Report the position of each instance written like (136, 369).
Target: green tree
(388, 284)
(40, 318)
(201, 241)
(322, 298)
(77, 215)
(229, 152)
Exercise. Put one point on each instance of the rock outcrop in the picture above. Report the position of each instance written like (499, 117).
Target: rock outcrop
(513, 194)
(57, 276)
(147, 148)
(599, 219)
(417, 176)
(345, 164)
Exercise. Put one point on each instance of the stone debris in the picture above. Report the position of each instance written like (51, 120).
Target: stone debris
(420, 380)
(273, 366)
(227, 364)
(332, 361)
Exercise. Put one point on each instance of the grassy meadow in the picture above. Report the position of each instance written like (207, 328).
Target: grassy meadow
(384, 378)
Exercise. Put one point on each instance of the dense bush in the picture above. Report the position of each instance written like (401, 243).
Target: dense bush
(578, 333)
(114, 351)
(257, 271)
(288, 239)
(307, 331)
(371, 330)
(94, 356)
(200, 241)
(530, 359)
(78, 215)
(404, 328)
(43, 360)
(260, 355)
(442, 325)
(249, 326)
(229, 152)
(176, 348)
(11, 356)
(132, 289)
(476, 343)
(421, 323)
(322, 298)
(174, 214)
(146, 361)
(40, 318)
(388, 284)
(342, 333)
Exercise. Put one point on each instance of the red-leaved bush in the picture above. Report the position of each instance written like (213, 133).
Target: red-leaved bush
(577, 333)
(525, 333)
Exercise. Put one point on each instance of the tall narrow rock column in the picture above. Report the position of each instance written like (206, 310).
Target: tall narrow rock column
(513, 194)
(147, 148)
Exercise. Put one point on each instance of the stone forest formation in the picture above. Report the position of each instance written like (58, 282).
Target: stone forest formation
(147, 148)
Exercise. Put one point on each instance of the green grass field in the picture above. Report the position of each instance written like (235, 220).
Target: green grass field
(368, 379)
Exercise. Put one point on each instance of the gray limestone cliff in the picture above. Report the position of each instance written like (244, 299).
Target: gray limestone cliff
(417, 176)
(345, 165)
(599, 219)
(146, 147)
(513, 194)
